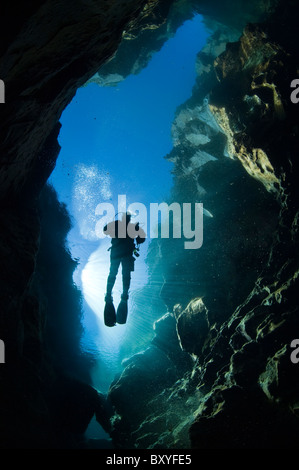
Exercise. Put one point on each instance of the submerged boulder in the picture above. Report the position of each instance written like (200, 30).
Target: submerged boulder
(193, 326)
(145, 375)
(236, 147)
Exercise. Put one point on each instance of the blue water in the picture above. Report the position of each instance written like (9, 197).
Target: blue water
(113, 141)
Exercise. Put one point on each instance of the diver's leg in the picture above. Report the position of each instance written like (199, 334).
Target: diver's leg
(126, 284)
(114, 265)
(122, 310)
(109, 310)
(127, 268)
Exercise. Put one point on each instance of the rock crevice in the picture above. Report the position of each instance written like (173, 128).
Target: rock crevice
(217, 373)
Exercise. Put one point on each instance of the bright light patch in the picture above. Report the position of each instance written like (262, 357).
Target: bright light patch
(128, 130)
(94, 278)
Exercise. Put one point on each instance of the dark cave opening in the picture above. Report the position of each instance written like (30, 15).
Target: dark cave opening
(215, 322)
(203, 171)
(95, 168)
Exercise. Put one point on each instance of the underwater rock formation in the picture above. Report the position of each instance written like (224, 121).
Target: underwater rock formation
(142, 40)
(48, 49)
(217, 373)
(47, 53)
(234, 150)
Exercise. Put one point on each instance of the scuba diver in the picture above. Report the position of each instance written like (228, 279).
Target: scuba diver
(125, 240)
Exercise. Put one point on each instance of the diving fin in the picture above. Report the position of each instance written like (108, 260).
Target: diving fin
(122, 310)
(109, 312)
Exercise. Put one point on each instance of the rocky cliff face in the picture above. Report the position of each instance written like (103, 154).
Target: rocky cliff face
(232, 304)
(218, 372)
(48, 49)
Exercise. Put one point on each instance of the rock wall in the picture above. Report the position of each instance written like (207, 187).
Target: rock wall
(48, 49)
(220, 356)
(232, 304)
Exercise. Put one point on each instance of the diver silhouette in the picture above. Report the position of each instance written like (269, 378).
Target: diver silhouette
(125, 240)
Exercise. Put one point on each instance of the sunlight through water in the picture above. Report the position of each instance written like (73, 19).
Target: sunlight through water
(113, 141)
